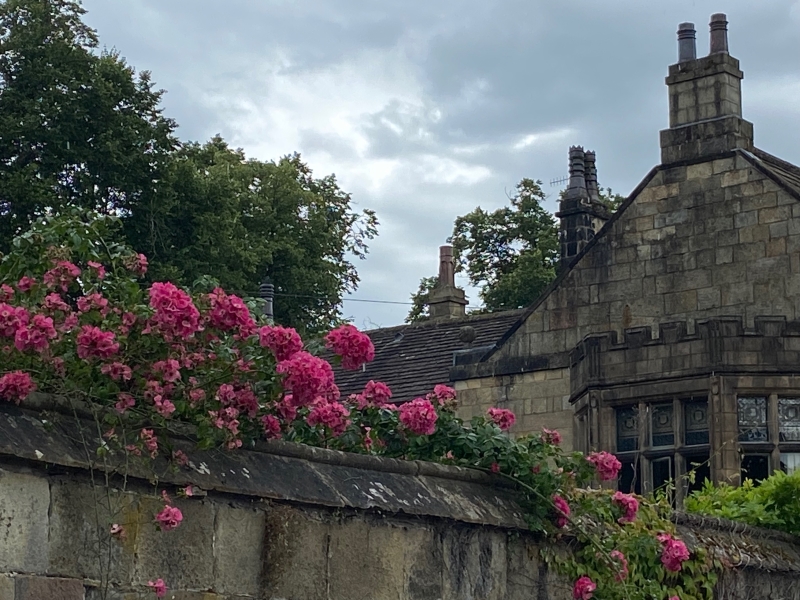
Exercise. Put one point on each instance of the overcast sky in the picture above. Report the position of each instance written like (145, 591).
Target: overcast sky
(427, 109)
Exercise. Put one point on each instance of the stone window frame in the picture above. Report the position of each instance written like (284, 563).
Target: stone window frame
(681, 454)
(773, 447)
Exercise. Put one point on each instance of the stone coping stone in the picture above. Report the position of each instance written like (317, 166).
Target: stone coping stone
(281, 471)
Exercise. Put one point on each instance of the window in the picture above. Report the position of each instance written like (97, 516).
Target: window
(769, 434)
(790, 462)
(663, 427)
(662, 472)
(753, 419)
(695, 426)
(755, 467)
(789, 419)
(675, 437)
(629, 480)
(627, 430)
(699, 469)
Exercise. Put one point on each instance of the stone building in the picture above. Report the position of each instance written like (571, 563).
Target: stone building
(671, 335)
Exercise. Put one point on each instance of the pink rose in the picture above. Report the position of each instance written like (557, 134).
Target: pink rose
(583, 588)
(606, 465)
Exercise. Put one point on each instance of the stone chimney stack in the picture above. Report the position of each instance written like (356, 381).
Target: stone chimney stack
(705, 99)
(446, 300)
(580, 212)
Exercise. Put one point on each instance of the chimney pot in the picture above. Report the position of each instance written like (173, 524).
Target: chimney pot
(719, 33)
(447, 272)
(687, 47)
(590, 161)
(577, 173)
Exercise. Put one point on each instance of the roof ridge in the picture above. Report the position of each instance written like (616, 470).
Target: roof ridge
(437, 322)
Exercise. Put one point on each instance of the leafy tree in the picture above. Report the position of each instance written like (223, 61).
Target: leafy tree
(419, 309)
(80, 128)
(219, 214)
(511, 253)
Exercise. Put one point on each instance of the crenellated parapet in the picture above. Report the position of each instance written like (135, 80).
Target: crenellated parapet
(721, 345)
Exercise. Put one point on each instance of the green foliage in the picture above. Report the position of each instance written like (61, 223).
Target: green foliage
(774, 503)
(240, 220)
(611, 200)
(598, 537)
(511, 252)
(80, 128)
(419, 309)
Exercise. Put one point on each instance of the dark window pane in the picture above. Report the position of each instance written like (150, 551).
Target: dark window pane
(702, 471)
(790, 462)
(789, 419)
(753, 419)
(629, 480)
(663, 428)
(695, 416)
(755, 467)
(662, 472)
(627, 429)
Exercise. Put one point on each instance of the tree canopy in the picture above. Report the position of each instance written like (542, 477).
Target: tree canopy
(81, 129)
(510, 253)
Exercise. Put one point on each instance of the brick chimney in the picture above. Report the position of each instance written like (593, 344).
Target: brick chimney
(705, 99)
(446, 300)
(580, 212)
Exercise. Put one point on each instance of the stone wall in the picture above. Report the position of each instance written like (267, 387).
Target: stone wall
(538, 398)
(285, 521)
(715, 238)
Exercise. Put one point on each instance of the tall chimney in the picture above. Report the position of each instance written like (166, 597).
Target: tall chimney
(590, 170)
(580, 212)
(705, 99)
(687, 45)
(719, 33)
(445, 299)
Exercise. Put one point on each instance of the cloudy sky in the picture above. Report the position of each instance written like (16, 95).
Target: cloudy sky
(427, 109)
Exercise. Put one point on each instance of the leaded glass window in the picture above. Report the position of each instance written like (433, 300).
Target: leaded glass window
(790, 462)
(789, 419)
(627, 429)
(662, 472)
(753, 419)
(755, 467)
(695, 416)
(663, 426)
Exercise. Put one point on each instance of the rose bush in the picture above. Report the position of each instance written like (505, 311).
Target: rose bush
(76, 321)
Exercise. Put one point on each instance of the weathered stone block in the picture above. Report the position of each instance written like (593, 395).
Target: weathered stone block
(297, 546)
(24, 503)
(183, 557)
(80, 520)
(474, 564)
(364, 560)
(708, 298)
(700, 171)
(6, 587)
(724, 255)
(776, 247)
(238, 549)
(735, 177)
(48, 588)
(745, 219)
(680, 302)
(775, 214)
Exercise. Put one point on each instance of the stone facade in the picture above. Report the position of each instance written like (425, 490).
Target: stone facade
(709, 239)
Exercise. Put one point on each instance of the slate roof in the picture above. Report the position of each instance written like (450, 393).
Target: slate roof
(412, 359)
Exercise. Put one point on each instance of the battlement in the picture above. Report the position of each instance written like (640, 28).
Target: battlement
(717, 345)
